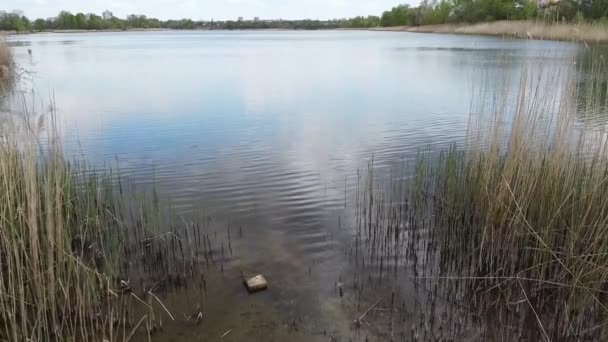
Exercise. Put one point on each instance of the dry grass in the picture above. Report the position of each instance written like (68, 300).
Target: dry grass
(66, 233)
(6, 59)
(588, 32)
(58, 243)
(524, 210)
(514, 223)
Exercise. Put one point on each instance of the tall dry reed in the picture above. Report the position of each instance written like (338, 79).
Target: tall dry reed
(514, 222)
(53, 284)
(6, 59)
(589, 32)
(523, 209)
(70, 242)
(6, 69)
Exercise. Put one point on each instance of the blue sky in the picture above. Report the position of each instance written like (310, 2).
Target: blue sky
(207, 9)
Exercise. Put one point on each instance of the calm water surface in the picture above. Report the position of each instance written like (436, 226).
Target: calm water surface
(266, 131)
(263, 119)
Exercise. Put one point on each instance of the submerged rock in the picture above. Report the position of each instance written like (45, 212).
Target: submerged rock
(257, 283)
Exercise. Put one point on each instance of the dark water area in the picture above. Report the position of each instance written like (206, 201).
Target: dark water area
(266, 133)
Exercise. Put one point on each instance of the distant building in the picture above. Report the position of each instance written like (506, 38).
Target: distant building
(256, 19)
(240, 19)
(107, 15)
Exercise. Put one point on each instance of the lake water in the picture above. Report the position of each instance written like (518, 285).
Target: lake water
(267, 121)
(266, 131)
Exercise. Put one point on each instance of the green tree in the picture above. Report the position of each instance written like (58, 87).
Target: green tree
(14, 21)
(525, 10)
(39, 24)
(153, 23)
(80, 21)
(95, 22)
(26, 24)
(435, 13)
(186, 24)
(369, 21)
(116, 24)
(568, 9)
(397, 16)
(463, 11)
(65, 20)
(595, 9)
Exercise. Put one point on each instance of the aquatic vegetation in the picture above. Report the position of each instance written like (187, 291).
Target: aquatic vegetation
(42, 212)
(522, 210)
(6, 58)
(71, 240)
(6, 68)
(517, 218)
(590, 32)
(6, 63)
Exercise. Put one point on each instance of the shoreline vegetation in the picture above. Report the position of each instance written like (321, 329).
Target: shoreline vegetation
(535, 30)
(6, 68)
(72, 239)
(84, 257)
(6, 59)
(12, 33)
(521, 212)
(570, 19)
(515, 221)
(587, 32)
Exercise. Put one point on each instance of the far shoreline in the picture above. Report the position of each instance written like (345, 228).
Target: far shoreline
(534, 30)
(18, 33)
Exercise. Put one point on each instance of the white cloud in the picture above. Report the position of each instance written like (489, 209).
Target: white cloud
(206, 9)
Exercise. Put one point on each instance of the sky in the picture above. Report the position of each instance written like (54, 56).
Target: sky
(208, 9)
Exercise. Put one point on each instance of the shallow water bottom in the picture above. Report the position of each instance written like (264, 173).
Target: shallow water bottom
(308, 298)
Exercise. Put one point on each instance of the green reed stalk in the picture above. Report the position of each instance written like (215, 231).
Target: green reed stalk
(520, 213)
(533, 207)
(65, 234)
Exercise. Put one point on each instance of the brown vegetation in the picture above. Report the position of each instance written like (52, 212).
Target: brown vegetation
(70, 241)
(6, 59)
(588, 32)
(516, 221)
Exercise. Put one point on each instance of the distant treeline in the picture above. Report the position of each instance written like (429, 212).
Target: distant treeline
(16, 21)
(473, 11)
(427, 13)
